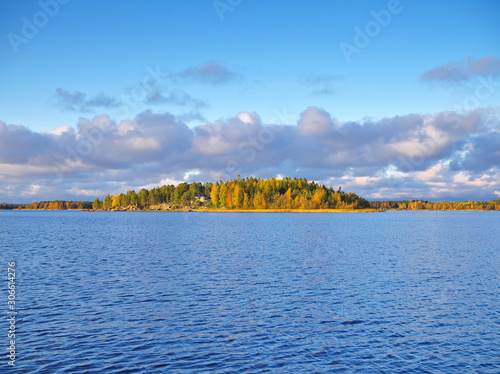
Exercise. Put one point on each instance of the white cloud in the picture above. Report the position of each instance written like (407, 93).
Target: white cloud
(58, 131)
(315, 121)
(85, 192)
(247, 117)
(412, 156)
(431, 175)
(142, 143)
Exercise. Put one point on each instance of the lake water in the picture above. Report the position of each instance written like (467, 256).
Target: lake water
(141, 292)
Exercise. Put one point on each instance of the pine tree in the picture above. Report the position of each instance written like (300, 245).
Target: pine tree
(97, 205)
(107, 202)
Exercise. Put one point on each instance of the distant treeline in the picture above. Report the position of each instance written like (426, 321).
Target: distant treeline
(249, 193)
(6, 206)
(442, 205)
(50, 205)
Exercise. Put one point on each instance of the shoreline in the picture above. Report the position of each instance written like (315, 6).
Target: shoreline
(246, 211)
(367, 210)
(287, 210)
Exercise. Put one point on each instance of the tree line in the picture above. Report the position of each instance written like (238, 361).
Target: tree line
(6, 206)
(441, 205)
(248, 193)
(50, 205)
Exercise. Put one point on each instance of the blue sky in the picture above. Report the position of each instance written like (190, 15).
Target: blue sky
(204, 62)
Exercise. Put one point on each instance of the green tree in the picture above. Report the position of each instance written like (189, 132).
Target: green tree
(132, 196)
(222, 194)
(107, 202)
(179, 192)
(143, 196)
(97, 205)
(124, 200)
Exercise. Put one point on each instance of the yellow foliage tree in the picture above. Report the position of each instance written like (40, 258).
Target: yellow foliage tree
(214, 195)
(318, 198)
(257, 200)
(289, 199)
(222, 194)
(229, 198)
(115, 201)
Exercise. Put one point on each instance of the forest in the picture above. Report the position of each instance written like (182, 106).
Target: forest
(6, 206)
(50, 205)
(249, 193)
(441, 205)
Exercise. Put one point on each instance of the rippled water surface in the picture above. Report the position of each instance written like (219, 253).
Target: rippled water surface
(148, 292)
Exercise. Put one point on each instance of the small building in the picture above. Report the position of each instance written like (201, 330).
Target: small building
(201, 198)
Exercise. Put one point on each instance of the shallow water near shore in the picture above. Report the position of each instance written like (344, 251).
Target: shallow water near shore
(146, 292)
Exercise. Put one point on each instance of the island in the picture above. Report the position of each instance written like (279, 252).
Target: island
(249, 195)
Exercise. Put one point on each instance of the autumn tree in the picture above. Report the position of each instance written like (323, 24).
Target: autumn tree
(214, 195)
(319, 198)
(238, 196)
(222, 195)
(229, 197)
(286, 193)
(115, 201)
(288, 198)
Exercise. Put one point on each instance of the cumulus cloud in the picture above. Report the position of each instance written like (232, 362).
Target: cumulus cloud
(464, 70)
(315, 121)
(412, 156)
(479, 153)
